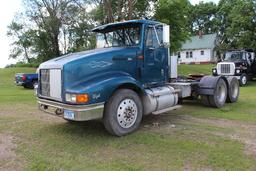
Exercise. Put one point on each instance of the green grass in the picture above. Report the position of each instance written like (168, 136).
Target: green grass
(195, 69)
(49, 143)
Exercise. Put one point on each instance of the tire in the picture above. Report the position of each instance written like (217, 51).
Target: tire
(233, 90)
(123, 112)
(218, 100)
(26, 86)
(205, 100)
(243, 80)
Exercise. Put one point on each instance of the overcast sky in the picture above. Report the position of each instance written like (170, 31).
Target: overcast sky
(8, 8)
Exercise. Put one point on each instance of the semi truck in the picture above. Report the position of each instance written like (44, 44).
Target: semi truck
(238, 63)
(130, 74)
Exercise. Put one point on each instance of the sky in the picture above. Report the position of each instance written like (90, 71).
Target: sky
(8, 9)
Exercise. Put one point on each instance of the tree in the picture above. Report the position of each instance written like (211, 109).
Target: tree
(175, 13)
(22, 42)
(203, 18)
(238, 24)
(107, 11)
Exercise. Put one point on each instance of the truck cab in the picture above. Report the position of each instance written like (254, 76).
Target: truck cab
(239, 63)
(128, 75)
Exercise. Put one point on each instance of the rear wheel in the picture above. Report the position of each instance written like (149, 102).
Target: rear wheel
(243, 80)
(123, 112)
(233, 90)
(218, 100)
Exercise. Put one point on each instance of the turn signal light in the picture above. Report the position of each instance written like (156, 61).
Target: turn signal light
(82, 98)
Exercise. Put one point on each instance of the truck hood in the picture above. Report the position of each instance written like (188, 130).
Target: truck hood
(59, 62)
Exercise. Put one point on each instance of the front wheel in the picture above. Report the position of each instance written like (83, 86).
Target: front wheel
(243, 80)
(123, 112)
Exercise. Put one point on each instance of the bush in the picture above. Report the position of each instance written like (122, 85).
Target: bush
(21, 64)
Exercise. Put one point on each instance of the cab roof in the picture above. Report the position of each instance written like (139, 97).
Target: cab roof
(110, 26)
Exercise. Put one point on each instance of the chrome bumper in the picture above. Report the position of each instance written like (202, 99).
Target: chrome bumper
(238, 77)
(81, 112)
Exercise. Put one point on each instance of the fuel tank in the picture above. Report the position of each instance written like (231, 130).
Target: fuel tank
(159, 98)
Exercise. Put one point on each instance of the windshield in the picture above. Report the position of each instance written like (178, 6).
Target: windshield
(234, 56)
(125, 36)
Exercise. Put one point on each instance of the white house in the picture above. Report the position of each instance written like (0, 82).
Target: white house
(199, 49)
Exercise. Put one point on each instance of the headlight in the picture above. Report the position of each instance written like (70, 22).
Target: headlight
(238, 71)
(214, 71)
(77, 98)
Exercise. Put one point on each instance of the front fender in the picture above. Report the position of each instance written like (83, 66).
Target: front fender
(101, 88)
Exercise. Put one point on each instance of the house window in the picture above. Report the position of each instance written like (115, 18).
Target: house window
(187, 54)
(178, 54)
(191, 54)
(202, 52)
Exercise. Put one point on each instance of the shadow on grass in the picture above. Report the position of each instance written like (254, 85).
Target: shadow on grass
(95, 129)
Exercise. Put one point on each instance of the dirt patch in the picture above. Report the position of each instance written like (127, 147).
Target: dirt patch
(243, 132)
(240, 131)
(8, 158)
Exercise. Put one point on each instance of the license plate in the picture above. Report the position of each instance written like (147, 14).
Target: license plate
(69, 114)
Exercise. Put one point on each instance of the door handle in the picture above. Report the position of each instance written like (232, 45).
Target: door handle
(151, 48)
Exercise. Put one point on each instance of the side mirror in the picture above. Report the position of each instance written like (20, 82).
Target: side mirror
(166, 35)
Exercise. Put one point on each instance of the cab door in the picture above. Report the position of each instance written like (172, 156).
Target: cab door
(156, 62)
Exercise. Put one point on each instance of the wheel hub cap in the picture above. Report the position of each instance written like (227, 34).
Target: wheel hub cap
(127, 113)
(244, 80)
(221, 93)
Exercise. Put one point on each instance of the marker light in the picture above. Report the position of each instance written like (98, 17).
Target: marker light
(77, 98)
(82, 98)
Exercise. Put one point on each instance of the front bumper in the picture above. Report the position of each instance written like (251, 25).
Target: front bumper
(80, 112)
(238, 77)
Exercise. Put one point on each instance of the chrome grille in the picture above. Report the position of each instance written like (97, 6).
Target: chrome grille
(225, 68)
(45, 82)
(50, 83)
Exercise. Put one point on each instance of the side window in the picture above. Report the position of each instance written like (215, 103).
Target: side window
(159, 30)
(179, 55)
(151, 39)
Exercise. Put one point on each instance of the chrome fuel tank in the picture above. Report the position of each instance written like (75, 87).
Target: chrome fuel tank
(159, 98)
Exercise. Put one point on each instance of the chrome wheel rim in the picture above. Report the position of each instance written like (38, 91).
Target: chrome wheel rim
(127, 113)
(244, 79)
(235, 88)
(221, 93)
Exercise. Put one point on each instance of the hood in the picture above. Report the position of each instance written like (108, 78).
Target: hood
(59, 62)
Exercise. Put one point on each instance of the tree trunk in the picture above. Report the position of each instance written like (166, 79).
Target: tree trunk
(26, 55)
(109, 11)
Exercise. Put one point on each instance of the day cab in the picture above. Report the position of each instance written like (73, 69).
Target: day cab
(238, 63)
(128, 75)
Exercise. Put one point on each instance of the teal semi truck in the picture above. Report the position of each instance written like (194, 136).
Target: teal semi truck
(128, 75)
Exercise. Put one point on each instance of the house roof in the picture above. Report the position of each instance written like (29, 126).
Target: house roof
(207, 41)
